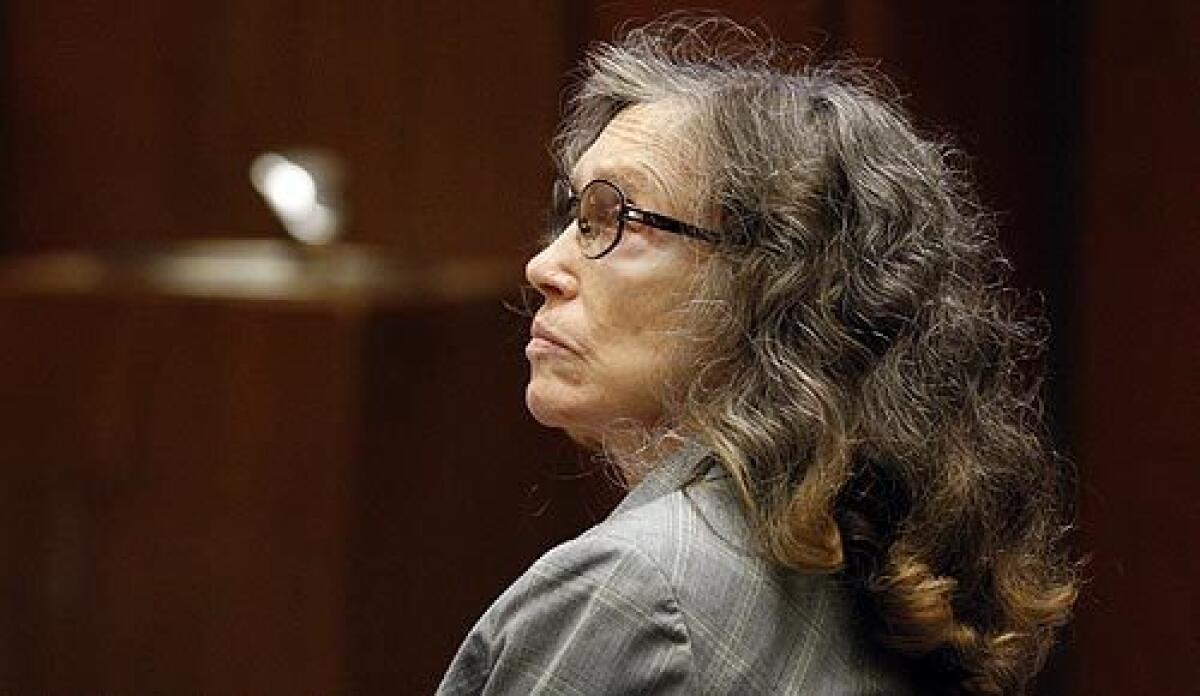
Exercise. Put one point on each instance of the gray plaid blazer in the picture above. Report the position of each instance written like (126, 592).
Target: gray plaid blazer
(667, 596)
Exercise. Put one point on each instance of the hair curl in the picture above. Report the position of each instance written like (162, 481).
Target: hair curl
(861, 369)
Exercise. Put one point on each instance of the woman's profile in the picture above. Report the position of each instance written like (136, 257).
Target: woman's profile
(779, 312)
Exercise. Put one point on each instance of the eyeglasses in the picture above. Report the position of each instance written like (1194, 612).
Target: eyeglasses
(601, 211)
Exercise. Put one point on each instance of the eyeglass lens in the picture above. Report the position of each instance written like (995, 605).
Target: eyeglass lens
(600, 206)
(597, 210)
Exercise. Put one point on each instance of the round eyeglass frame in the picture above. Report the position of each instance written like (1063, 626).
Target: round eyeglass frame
(569, 209)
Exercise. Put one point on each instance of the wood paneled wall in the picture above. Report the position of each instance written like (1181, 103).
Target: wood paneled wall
(141, 124)
(307, 491)
(1139, 335)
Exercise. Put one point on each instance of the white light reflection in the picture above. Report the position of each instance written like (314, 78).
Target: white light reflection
(294, 193)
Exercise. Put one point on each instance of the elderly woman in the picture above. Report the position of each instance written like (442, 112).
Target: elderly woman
(779, 313)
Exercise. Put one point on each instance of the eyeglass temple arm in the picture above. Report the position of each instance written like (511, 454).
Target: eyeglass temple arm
(672, 225)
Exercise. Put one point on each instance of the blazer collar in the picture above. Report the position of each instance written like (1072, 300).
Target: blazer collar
(684, 466)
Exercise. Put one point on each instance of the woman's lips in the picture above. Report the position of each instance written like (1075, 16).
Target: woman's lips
(543, 341)
(541, 347)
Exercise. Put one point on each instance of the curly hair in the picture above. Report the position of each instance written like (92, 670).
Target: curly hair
(860, 367)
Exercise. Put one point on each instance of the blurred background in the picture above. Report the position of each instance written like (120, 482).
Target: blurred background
(268, 436)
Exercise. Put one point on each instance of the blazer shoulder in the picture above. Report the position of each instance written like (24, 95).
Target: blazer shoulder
(610, 554)
(583, 608)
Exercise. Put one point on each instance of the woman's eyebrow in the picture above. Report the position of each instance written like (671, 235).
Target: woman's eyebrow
(632, 181)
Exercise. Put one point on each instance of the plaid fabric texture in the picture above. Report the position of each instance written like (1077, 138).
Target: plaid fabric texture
(667, 596)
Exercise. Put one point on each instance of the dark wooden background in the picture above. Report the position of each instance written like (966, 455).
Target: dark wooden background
(310, 492)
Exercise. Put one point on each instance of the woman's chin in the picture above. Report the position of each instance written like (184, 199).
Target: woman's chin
(545, 409)
(560, 414)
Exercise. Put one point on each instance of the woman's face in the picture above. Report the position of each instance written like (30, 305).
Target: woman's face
(604, 341)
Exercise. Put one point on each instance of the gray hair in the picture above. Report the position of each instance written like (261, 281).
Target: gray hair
(859, 367)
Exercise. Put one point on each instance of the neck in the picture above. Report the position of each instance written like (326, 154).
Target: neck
(636, 454)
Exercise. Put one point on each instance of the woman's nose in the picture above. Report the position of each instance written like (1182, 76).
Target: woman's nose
(553, 271)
